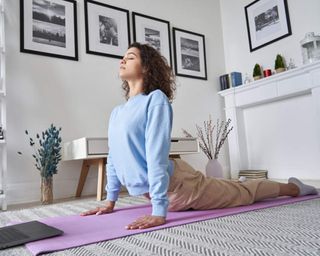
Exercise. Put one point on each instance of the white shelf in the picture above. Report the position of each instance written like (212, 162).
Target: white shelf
(3, 145)
(2, 93)
(304, 69)
(2, 6)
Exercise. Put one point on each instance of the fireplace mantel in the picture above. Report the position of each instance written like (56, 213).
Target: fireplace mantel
(291, 84)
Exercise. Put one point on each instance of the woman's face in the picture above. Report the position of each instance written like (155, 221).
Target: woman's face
(130, 65)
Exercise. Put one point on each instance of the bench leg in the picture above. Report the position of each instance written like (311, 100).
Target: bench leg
(101, 179)
(83, 176)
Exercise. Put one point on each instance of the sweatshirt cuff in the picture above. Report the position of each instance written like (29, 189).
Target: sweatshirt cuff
(159, 210)
(112, 196)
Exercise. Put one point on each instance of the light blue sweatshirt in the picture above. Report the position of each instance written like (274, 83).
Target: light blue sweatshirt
(139, 138)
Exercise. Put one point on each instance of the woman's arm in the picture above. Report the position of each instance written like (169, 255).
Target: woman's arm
(113, 184)
(158, 138)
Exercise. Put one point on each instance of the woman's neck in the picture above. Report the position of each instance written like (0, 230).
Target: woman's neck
(135, 87)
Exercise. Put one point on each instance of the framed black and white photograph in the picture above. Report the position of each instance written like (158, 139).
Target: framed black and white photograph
(190, 54)
(153, 31)
(49, 28)
(267, 21)
(107, 29)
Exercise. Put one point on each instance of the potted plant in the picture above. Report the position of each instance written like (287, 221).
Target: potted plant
(47, 155)
(257, 72)
(210, 146)
(279, 64)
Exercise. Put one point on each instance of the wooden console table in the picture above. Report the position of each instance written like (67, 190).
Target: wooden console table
(94, 152)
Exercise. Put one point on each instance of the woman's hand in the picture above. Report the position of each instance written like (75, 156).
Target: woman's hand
(100, 210)
(147, 221)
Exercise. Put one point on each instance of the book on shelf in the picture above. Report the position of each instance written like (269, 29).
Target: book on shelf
(224, 82)
(229, 80)
(236, 79)
(254, 174)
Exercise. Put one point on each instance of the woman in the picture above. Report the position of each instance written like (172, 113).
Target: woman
(139, 142)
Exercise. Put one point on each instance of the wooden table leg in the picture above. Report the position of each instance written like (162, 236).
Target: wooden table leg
(83, 176)
(101, 179)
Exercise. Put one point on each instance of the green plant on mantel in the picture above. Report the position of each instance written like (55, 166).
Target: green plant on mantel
(279, 62)
(257, 71)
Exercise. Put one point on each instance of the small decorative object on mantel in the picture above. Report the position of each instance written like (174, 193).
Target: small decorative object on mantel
(310, 46)
(279, 64)
(247, 79)
(47, 155)
(267, 72)
(291, 64)
(211, 147)
(257, 72)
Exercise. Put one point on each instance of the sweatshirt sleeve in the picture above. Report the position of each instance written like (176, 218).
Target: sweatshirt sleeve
(158, 138)
(113, 184)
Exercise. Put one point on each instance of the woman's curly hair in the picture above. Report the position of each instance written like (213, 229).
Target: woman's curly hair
(157, 73)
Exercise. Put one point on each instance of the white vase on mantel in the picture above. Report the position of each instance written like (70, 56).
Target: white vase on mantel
(214, 169)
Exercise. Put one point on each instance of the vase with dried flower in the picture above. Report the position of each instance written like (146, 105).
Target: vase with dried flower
(211, 147)
(47, 155)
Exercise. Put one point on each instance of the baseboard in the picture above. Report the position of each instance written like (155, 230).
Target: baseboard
(29, 192)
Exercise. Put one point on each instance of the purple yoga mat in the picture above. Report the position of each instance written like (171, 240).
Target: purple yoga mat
(79, 230)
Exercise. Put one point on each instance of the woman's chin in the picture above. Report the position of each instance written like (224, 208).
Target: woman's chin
(122, 75)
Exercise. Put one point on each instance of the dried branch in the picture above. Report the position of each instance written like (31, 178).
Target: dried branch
(187, 134)
(205, 134)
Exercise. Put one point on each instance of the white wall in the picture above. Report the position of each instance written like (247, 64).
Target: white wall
(79, 96)
(304, 17)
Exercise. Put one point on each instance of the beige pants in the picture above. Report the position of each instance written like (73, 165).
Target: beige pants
(190, 189)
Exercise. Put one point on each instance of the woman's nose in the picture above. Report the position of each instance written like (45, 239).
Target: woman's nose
(123, 61)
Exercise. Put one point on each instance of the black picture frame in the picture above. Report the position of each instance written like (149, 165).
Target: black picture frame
(49, 29)
(107, 29)
(266, 22)
(190, 54)
(153, 31)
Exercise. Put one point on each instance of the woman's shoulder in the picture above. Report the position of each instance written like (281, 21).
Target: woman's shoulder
(158, 97)
(115, 110)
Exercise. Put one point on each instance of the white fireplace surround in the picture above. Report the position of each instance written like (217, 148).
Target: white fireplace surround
(276, 124)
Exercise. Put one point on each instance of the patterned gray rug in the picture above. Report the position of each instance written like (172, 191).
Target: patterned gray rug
(285, 230)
